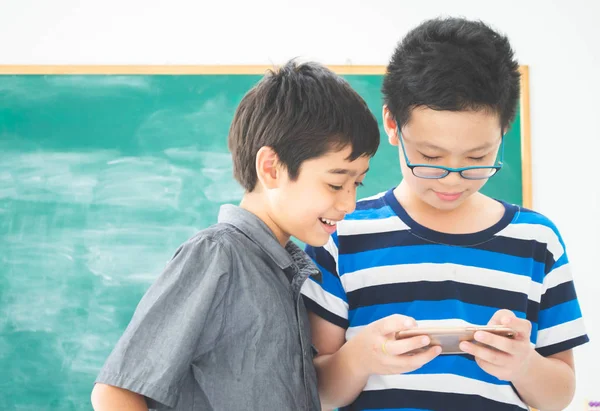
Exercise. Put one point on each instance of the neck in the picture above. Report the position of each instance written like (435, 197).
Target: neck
(256, 204)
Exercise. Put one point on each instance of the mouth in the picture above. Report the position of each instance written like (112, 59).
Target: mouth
(448, 196)
(328, 222)
(329, 225)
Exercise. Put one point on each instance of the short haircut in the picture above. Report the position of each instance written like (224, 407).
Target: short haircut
(456, 65)
(302, 111)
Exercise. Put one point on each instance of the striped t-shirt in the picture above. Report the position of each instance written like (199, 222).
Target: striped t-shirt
(381, 262)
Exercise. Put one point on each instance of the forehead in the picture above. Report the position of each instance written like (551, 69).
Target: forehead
(337, 159)
(453, 127)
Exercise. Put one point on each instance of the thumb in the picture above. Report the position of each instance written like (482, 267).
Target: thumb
(499, 316)
(395, 322)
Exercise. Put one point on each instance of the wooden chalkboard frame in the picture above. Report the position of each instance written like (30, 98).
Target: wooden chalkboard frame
(526, 182)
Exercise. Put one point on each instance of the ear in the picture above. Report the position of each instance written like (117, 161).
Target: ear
(268, 168)
(390, 126)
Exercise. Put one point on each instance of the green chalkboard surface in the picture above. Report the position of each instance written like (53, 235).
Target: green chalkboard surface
(101, 178)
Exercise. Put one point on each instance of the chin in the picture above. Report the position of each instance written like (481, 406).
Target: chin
(445, 205)
(315, 240)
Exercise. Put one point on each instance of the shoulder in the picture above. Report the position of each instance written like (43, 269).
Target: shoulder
(200, 264)
(372, 202)
(531, 217)
(532, 225)
(536, 223)
(373, 216)
(368, 209)
(216, 243)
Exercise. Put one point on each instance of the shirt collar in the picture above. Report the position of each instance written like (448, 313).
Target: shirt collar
(259, 233)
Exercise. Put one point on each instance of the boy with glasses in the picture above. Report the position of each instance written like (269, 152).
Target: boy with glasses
(434, 251)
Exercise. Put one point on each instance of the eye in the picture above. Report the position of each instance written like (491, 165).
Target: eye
(430, 158)
(477, 158)
(359, 184)
(336, 188)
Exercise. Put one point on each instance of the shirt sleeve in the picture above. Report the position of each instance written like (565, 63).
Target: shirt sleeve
(179, 318)
(560, 325)
(326, 298)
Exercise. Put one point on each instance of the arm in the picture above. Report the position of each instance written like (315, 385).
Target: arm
(343, 368)
(549, 383)
(179, 318)
(339, 382)
(544, 377)
(106, 397)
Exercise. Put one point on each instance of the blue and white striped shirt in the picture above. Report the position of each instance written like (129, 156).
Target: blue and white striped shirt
(381, 262)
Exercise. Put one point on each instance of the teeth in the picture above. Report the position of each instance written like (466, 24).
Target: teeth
(326, 221)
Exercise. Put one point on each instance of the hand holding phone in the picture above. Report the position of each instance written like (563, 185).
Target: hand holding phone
(508, 359)
(375, 351)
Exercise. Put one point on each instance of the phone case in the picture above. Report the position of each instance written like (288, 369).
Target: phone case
(450, 338)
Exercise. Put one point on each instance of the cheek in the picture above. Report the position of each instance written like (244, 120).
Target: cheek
(315, 204)
(475, 185)
(302, 202)
(418, 185)
(291, 192)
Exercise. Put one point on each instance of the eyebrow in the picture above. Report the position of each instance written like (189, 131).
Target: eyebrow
(484, 146)
(443, 150)
(345, 171)
(425, 144)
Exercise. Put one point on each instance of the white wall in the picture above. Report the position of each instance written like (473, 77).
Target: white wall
(559, 40)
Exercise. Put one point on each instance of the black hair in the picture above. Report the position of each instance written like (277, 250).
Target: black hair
(453, 64)
(302, 111)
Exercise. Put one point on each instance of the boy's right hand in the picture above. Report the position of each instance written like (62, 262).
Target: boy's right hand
(375, 349)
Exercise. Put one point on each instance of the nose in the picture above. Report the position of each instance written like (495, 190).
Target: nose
(346, 201)
(451, 180)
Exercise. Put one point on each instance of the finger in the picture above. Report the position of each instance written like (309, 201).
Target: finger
(395, 322)
(497, 341)
(408, 362)
(484, 353)
(398, 347)
(520, 325)
(498, 317)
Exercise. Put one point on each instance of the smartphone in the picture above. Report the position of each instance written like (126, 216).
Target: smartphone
(449, 338)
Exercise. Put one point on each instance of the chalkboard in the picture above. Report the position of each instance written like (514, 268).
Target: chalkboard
(103, 173)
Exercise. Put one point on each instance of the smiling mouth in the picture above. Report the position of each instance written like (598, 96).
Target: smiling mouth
(328, 222)
(448, 196)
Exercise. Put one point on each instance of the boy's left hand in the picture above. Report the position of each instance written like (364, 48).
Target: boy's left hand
(514, 355)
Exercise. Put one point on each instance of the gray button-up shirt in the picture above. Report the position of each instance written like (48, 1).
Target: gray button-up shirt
(223, 327)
